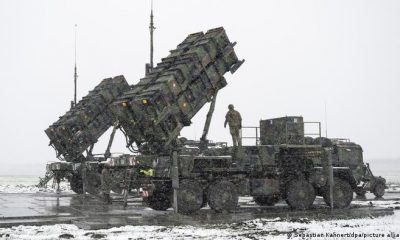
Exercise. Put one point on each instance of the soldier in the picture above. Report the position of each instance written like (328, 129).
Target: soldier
(106, 184)
(235, 125)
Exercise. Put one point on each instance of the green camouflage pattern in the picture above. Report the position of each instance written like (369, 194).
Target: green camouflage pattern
(284, 130)
(85, 122)
(155, 110)
(349, 154)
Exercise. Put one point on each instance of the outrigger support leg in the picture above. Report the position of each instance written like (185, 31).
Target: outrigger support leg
(175, 179)
(83, 169)
(107, 153)
(89, 156)
(330, 175)
(203, 139)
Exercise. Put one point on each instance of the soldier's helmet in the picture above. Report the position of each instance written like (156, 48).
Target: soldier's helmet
(230, 107)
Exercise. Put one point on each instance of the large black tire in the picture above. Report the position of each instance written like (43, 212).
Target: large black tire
(223, 196)
(342, 194)
(266, 200)
(379, 189)
(76, 183)
(190, 196)
(159, 200)
(300, 194)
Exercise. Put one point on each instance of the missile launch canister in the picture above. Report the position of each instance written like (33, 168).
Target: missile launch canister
(155, 110)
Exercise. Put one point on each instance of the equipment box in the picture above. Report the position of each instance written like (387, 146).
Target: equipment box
(284, 130)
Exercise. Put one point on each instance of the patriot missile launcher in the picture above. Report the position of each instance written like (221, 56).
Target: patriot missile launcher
(155, 110)
(85, 122)
(286, 163)
(151, 113)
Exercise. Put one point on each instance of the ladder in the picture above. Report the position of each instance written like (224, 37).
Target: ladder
(43, 181)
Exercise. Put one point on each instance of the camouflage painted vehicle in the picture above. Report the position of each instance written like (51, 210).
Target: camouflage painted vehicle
(349, 154)
(284, 163)
(150, 113)
(347, 157)
(282, 166)
(75, 133)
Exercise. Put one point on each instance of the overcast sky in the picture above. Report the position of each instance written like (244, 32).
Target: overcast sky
(299, 56)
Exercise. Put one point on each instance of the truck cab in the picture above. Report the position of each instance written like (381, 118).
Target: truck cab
(349, 154)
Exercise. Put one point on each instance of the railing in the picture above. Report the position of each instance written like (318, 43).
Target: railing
(287, 134)
(257, 137)
(312, 134)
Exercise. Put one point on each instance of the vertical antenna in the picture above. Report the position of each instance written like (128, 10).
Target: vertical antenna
(75, 72)
(151, 36)
(326, 121)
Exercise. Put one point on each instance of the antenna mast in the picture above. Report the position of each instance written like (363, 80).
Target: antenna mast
(151, 36)
(326, 122)
(149, 66)
(75, 71)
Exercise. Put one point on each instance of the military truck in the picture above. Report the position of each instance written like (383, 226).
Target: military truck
(280, 166)
(345, 154)
(350, 154)
(284, 164)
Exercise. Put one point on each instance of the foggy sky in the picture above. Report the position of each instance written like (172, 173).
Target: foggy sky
(299, 56)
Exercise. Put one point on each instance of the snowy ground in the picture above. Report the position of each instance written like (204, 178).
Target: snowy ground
(253, 229)
(393, 188)
(387, 227)
(17, 184)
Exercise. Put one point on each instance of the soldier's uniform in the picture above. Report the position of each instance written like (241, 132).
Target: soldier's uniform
(106, 184)
(234, 120)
